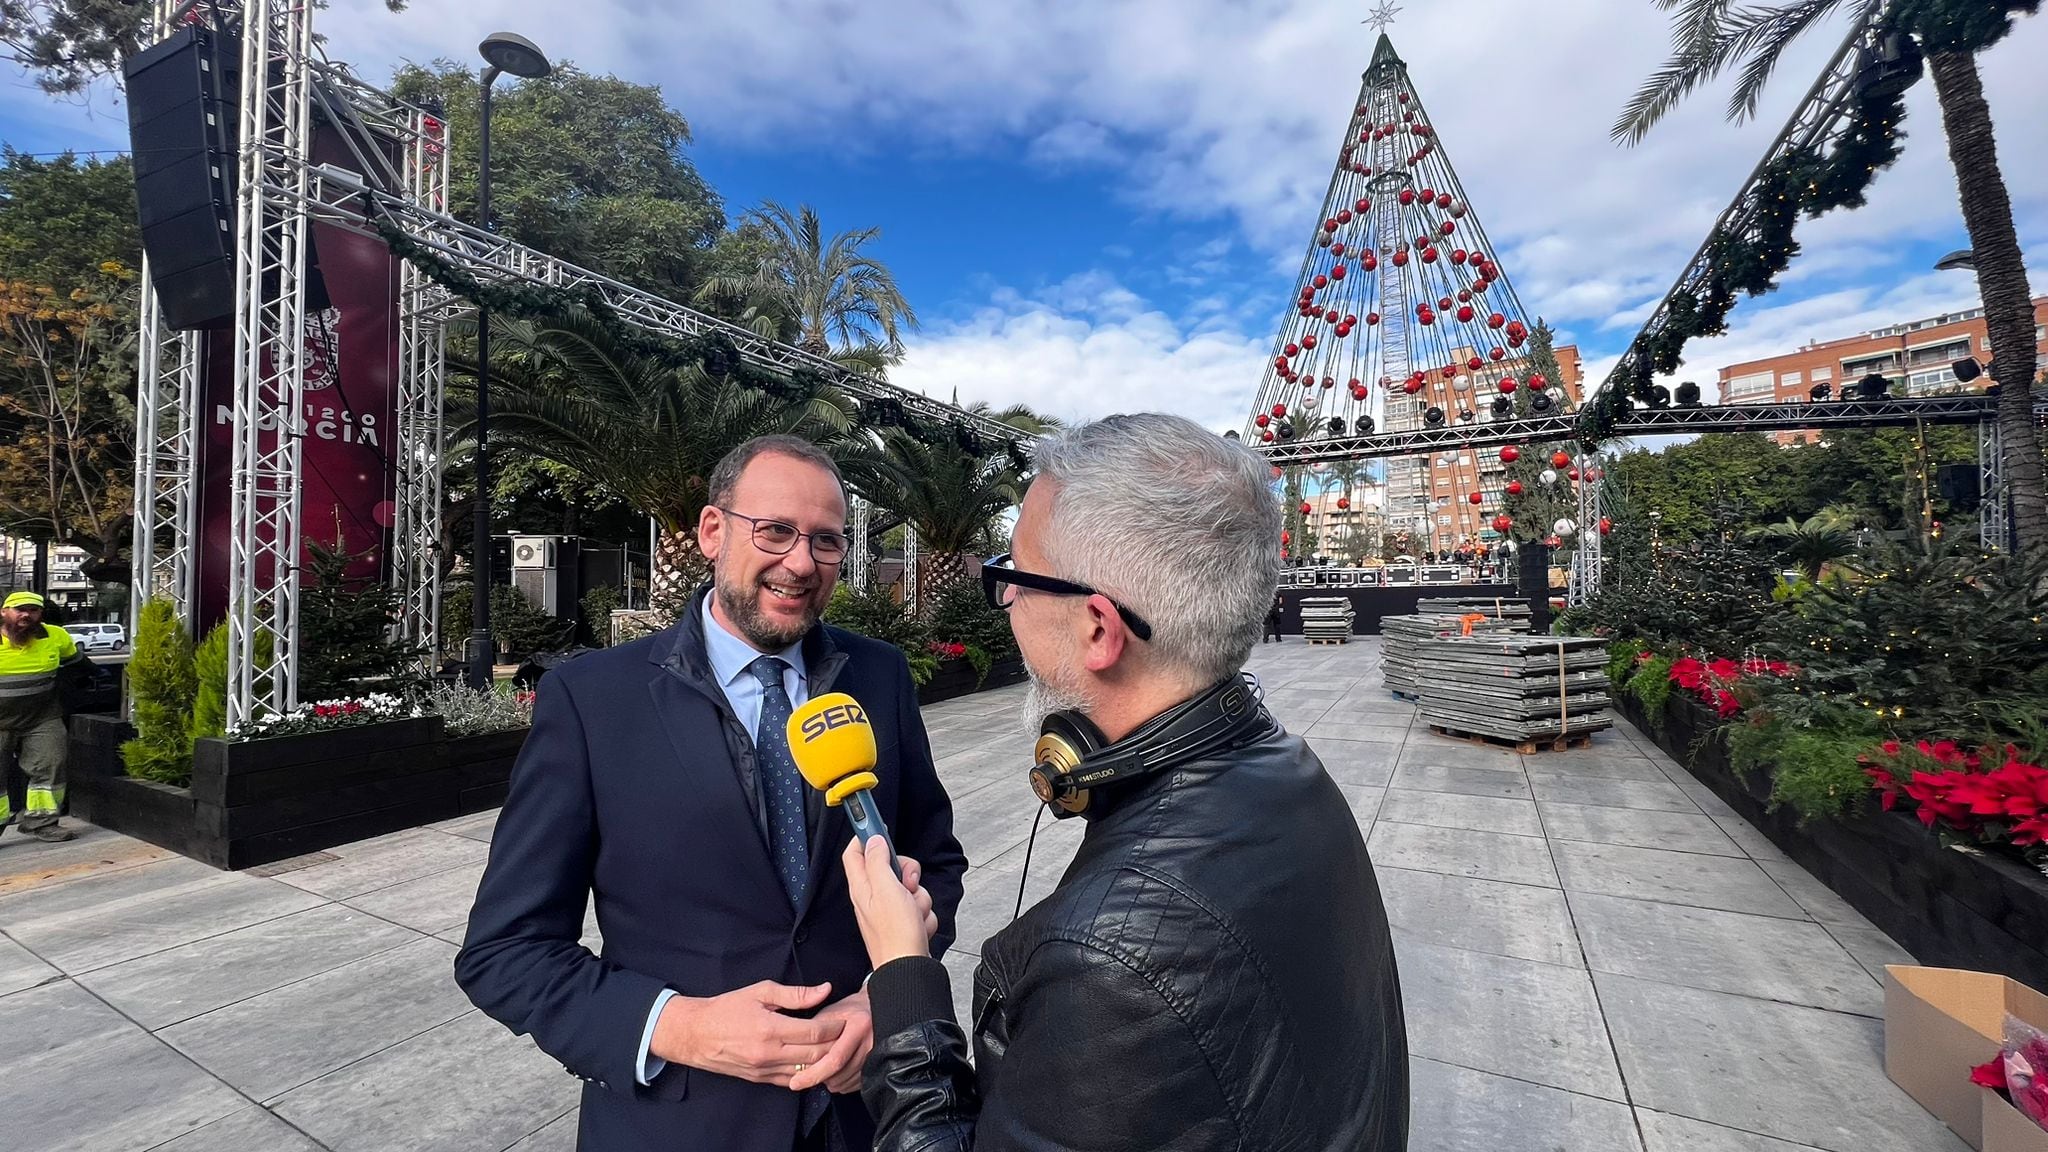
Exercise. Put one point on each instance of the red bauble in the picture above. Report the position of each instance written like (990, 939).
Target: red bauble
(1514, 488)
(1537, 381)
(1509, 453)
(1428, 194)
(1426, 319)
(1344, 216)
(1329, 225)
(1358, 391)
(1350, 321)
(1279, 410)
(1332, 316)
(1516, 341)
(1369, 262)
(1293, 349)
(1343, 503)
(1574, 473)
(1400, 259)
(1458, 256)
(1429, 255)
(1403, 97)
(1475, 364)
(1407, 196)
(1502, 523)
(1560, 458)
(1337, 249)
(1280, 362)
(1411, 386)
(1262, 420)
(1496, 320)
(1337, 272)
(1507, 388)
(1444, 304)
(1267, 436)
(1308, 341)
(1606, 525)
(1321, 281)
(1443, 200)
(1448, 227)
(1497, 353)
(1329, 382)
(1372, 318)
(1465, 313)
(1476, 498)
(1363, 204)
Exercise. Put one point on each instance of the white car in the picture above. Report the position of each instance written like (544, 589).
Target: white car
(98, 637)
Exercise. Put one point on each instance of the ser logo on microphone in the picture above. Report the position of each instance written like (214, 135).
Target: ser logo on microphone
(837, 716)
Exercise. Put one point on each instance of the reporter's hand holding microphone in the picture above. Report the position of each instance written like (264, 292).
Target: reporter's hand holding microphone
(834, 748)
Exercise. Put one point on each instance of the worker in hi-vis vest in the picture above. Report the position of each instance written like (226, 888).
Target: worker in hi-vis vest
(34, 656)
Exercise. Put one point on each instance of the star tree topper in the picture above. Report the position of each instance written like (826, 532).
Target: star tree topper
(1382, 16)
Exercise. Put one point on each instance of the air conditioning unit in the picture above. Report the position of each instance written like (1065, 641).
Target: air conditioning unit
(533, 552)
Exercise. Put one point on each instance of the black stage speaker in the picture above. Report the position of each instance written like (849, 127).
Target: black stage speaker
(181, 126)
(1958, 483)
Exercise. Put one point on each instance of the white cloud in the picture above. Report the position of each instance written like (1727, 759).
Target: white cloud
(1086, 348)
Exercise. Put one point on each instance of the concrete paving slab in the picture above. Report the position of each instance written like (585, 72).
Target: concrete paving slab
(1518, 920)
(490, 1089)
(111, 917)
(20, 968)
(1663, 1132)
(377, 864)
(1453, 810)
(558, 1136)
(177, 984)
(430, 904)
(1508, 780)
(1606, 766)
(1636, 828)
(478, 826)
(1655, 795)
(1463, 1110)
(27, 863)
(270, 1044)
(78, 1077)
(1429, 748)
(1364, 802)
(1518, 1018)
(1454, 852)
(1760, 956)
(1392, 732)
(253, 1129)
(1801, 1074)
(1672, 877)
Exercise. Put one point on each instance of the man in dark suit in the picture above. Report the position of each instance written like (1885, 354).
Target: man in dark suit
(728, 1011)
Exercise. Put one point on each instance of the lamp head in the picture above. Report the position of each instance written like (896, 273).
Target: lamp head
(513, 53)
(1962, 258)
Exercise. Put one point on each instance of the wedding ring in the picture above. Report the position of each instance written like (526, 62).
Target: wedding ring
(800, 1067)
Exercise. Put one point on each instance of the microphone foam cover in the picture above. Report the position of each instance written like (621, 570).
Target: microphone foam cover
(830, 738)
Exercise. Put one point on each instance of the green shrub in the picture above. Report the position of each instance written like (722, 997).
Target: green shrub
(1621, 661)
(1651, 684)
(210, 702)
(1816, 774)
(598, 605)
(161, 680)
(963, 616)
(874, 613)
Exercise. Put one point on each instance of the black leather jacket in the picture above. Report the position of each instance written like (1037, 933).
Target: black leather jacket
(1213, 971)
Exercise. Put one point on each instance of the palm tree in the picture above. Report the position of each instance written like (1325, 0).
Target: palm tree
(1711, 36)
(947, 488)
(647, 430)
(1823, 538)
(843, 303)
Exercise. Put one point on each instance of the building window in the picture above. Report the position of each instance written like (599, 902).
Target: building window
(1865, 365)
(1443, 520)
(1945, 353)
(1922, 383)
(1753, 386)
(1823, 375)
(1790, 380)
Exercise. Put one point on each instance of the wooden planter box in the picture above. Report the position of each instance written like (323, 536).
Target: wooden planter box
(956, 678)
(254, 802)
(1950, 907)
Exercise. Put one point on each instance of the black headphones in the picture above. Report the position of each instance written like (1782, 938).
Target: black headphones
(1073, 758)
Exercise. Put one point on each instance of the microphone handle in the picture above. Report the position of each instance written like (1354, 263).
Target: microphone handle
(867, 824)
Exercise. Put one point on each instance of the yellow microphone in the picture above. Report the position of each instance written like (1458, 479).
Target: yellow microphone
(834, 748)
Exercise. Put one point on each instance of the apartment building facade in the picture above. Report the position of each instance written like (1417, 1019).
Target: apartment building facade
(1429, 497)
(1917, 356)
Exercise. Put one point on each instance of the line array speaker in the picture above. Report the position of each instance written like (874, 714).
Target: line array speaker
(182, 94)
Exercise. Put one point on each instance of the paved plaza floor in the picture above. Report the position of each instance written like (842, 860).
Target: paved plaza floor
(1596, 956)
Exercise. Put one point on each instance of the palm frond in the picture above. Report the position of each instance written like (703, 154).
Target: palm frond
(1708, 37)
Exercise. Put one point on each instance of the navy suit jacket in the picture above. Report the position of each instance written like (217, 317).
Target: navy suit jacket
(639, 786)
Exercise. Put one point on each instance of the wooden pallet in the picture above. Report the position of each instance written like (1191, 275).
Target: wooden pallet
(1312, 640)
(1410, 697)
(1526, 747)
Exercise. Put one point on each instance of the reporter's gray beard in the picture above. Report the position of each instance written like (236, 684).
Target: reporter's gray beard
(743, 607)
(1056, 693)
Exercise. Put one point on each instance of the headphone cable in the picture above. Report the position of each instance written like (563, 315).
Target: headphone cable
(1026, 877)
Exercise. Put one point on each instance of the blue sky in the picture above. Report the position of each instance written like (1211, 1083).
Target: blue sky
(1101, 207)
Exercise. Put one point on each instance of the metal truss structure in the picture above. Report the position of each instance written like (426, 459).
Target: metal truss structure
(910, 568)
(855, 574)
(280, 195)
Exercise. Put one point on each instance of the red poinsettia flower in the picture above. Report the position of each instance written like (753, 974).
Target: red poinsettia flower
(1725, 703)
(1688, 673)
(1724, 670)
(1891, 747)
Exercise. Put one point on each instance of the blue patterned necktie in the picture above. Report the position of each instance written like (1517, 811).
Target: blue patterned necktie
(781, 785)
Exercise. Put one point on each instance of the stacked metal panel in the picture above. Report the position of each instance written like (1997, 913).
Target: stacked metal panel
(1326, 619)
(1514, 687)
(1402, 664)
(1492, 606)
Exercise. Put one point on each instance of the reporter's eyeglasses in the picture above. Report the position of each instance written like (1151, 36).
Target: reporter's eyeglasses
(777, 539)
(1000, 581)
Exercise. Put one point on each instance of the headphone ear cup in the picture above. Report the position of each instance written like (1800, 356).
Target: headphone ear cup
(1064, 740)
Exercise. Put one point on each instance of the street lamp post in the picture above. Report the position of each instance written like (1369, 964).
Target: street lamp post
(502, 52)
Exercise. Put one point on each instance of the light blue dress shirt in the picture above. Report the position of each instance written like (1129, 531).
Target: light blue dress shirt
(730, 657)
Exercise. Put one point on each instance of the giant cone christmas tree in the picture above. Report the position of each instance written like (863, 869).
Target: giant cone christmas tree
(1401, 309)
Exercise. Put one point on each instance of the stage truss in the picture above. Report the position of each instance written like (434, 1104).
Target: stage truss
(280, 195)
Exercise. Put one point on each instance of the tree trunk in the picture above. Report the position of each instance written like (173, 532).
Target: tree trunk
(2002, 281)
(938, 574)
(679, 570)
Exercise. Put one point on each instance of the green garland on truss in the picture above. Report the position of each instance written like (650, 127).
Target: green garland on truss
(1799, 182)
(714, 352)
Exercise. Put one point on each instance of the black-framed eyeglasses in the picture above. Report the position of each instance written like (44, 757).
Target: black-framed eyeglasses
(777, 538)
(1000, 582)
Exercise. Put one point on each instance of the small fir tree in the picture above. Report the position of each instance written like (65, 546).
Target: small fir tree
(161, 681)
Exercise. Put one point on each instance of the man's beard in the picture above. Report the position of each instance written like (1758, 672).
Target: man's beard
(742, 604)
(17, 631)
(1059, 692)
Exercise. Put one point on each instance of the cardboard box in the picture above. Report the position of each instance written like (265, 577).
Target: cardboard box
(2007, 1129)
(1941, 1022)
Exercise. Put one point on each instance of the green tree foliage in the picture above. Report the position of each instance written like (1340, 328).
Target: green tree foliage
(344, 627)
(62, 217)
(951, 491)
(210, 686)
(1711, 595)
(67, 44)
(592, 169)
(163, 685)
(838, 295)
(1819, 540)
(522, 629)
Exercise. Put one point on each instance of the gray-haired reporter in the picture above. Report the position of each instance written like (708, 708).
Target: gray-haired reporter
(1214, 969)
